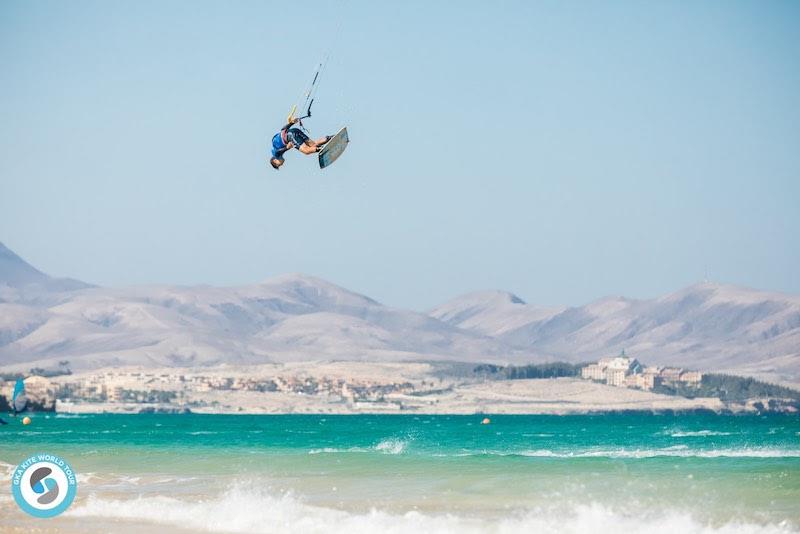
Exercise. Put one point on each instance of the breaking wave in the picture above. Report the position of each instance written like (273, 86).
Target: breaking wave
(246, 508)
(679, 451)
(698, 434)
(392, 446)
(385, 446)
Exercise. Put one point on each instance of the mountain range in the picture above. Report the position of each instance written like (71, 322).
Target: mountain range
(707, 326)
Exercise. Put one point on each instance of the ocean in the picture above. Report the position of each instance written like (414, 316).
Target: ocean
(631, 472)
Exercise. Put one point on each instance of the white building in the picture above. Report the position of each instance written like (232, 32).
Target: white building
(40, 388)
(691, 377)
(612, 370)
(593, 372)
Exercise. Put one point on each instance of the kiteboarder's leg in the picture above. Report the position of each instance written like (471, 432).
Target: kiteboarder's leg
(303, 143)
(322, 140)
(312, 147)
(308, 148)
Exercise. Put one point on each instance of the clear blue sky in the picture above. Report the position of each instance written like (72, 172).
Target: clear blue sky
(561, 150)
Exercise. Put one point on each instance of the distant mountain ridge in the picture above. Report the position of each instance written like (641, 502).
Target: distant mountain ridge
(705, 326)
(492, 313)
(291, 317)
(18, 274)
(297, 317)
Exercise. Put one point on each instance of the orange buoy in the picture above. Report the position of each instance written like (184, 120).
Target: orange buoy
(26, 420)
(486, 421)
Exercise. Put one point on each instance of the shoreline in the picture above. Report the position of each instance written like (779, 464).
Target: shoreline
(352, 387)
(412, 473)
(560, 396)
(726, 411)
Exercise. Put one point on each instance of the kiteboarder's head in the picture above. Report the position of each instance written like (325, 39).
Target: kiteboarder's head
(276, 163)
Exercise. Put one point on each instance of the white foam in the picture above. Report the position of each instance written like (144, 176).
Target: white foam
(698, 434)
(249, 509)
(679, 451)
(6, 471)
(392, 446)
(326, 450)
(385, 446)
(41, 432)
(337, 450)
(126, 480)
(87, 478)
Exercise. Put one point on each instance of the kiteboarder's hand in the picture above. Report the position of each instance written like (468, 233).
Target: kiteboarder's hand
(289, 145)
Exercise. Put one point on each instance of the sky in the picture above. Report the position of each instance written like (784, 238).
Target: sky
(564, 151)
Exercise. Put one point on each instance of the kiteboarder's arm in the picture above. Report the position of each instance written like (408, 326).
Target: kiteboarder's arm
(279, 154)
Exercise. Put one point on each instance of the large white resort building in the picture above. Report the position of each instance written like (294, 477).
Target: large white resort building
(622, 371)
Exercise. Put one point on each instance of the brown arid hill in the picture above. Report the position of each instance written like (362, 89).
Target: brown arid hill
(292, 318)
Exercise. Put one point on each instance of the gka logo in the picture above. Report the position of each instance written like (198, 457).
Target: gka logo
(44, 485)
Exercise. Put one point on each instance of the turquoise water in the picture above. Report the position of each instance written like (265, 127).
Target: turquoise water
(401, 473)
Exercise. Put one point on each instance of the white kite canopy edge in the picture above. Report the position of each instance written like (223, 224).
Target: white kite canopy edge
(333, 148)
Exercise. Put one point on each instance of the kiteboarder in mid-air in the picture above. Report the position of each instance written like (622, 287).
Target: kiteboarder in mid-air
(290, 137)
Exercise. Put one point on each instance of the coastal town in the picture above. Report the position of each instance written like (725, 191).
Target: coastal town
(612, 383)
(196, 390)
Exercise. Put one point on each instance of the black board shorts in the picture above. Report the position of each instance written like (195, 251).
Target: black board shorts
(297, 137)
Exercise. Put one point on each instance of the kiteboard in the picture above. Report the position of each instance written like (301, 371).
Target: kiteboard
(333, 148)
